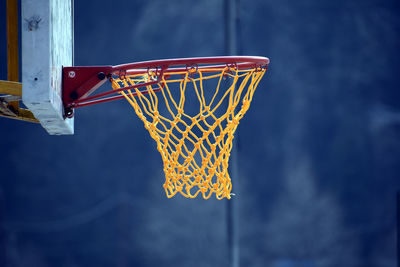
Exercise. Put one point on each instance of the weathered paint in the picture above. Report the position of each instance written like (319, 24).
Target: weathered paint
(47, 46)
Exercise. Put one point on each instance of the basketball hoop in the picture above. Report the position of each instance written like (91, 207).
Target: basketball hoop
(194, 145)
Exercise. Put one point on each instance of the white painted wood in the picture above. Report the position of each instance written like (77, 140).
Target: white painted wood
(47, 45)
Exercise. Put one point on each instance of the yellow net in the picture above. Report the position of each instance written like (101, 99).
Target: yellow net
(192, 124)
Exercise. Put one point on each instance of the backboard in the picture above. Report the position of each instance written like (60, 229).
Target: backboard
(47, 46)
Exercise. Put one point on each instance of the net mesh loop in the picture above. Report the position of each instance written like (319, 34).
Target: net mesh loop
(194, 143)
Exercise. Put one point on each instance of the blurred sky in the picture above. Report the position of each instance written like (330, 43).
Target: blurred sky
(318, 151)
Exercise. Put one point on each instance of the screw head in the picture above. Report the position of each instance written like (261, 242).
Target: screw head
(73, 95)
(101, 76)
(69, 112)
(71, 74)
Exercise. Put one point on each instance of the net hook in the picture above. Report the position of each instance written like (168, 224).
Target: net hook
(155, 73)
(122, 74)
(232, 66)
(258, 68)
(192, 68)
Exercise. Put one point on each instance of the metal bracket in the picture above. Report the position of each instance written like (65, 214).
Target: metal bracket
(80, 82)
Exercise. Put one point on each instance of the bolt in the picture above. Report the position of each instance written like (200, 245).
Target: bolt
(73, 95)
(101, 76)
(69, 112)
(71, 74)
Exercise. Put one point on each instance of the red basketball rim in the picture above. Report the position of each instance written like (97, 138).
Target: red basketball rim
(182, 64)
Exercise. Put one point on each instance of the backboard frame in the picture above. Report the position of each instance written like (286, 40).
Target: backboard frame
(47, 46)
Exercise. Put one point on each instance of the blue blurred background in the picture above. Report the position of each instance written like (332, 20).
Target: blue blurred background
(318, 151)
